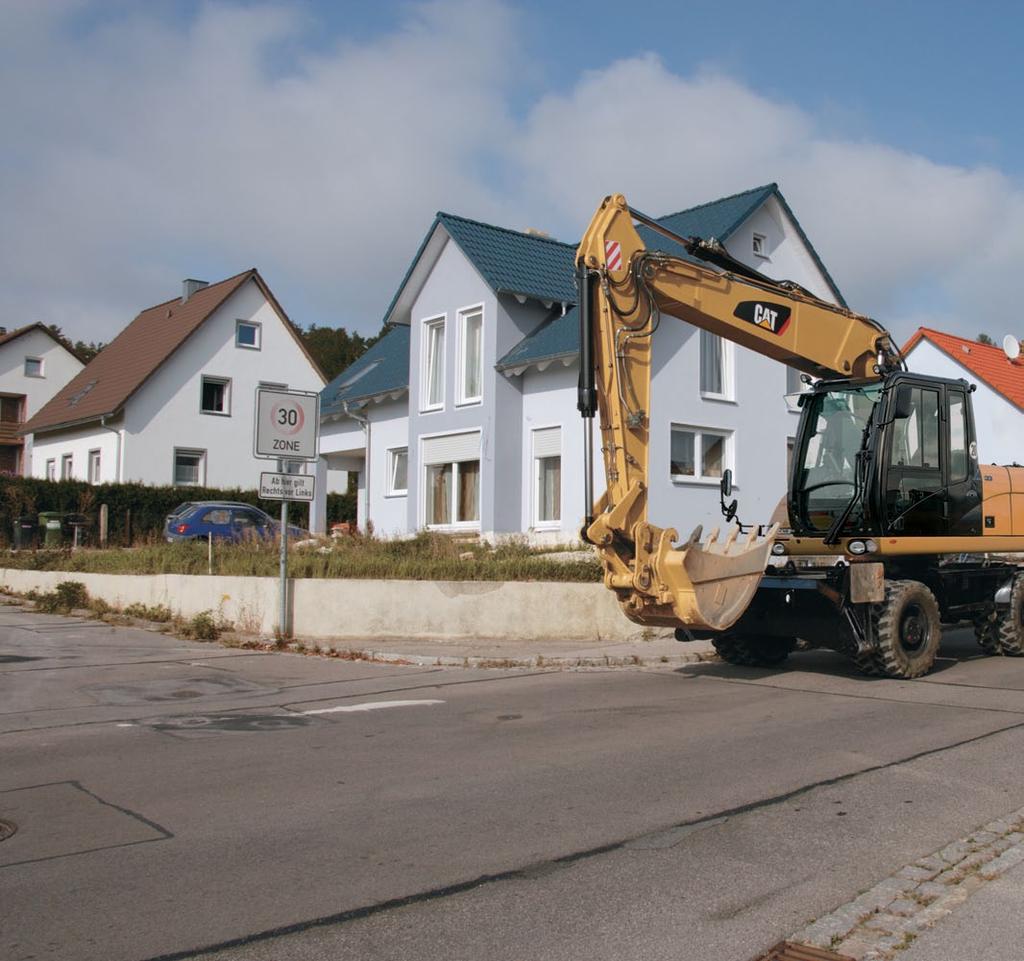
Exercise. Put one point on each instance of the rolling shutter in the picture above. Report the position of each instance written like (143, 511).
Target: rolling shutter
(451, 447)
(547, 442)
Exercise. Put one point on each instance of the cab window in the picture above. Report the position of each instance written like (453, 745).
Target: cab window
(958, 459)
(915, 439)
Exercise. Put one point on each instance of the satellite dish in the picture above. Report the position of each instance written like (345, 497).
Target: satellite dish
(1011, 347)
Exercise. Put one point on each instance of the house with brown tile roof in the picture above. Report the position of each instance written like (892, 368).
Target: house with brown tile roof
(999, 398)
(34, 365)
(171, 399)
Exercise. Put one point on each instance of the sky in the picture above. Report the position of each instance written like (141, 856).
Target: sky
(147, 142)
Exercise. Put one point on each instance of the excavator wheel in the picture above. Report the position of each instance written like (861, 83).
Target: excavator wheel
(752, 650)
(907, 629)
(1009, 626)
(867, 663)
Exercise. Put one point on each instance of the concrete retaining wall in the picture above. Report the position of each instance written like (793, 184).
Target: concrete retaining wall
(359, 610)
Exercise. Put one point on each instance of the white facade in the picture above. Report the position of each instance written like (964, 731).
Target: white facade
(164, 420)
(33, 367)
(998, 422)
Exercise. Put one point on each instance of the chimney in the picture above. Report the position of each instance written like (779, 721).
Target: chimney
(189, 287)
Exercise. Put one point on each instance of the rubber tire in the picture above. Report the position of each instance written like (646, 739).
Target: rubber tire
(752, 650)
(1009, 626)
(907, 630)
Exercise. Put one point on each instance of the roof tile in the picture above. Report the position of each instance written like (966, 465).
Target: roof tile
(384, 368)
(986, 362)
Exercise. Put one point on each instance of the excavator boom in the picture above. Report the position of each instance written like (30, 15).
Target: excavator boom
(625, 290)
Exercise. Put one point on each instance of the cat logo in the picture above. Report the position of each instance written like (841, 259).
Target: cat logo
(768, 316)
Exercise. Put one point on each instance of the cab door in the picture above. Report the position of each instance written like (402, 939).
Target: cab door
(915, 488)
(932, 484)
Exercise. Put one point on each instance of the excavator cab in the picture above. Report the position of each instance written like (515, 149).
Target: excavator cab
(890, 458)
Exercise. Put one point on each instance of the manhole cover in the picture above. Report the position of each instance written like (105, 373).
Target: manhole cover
(7, 828)
(788, 951)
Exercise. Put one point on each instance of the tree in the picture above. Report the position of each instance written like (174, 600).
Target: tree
(985, 339)
(334, 348)
(85, 351)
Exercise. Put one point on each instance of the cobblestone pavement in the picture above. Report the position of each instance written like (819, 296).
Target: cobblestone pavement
(885, 919)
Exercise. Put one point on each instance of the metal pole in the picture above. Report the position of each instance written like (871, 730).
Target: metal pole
(283, 602)
(209, 553)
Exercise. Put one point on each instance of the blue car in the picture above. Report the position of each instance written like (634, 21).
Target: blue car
(223, 520)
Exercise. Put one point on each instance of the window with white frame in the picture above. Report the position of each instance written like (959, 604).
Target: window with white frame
(51, 469)
(760, 245)
(471, 356)
(34, 367)
(715, 366)
(216, 396)
(189, 467)
(94, 467)
(398, 471)
(432, 395)
(451, 480)
(66, 466)
(547, 476)
(248, 334)
(699, 453)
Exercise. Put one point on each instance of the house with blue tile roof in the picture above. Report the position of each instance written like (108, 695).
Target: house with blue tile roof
(463, 417)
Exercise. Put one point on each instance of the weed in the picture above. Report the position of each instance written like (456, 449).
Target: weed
(202, 627)
(64, 598)
(158, 613)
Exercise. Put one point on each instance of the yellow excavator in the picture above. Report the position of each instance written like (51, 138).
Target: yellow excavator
(894, 528)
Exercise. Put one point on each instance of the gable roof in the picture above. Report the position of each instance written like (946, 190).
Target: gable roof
(383, 369)
(14, 334)
(510, 261)
(986, 362)
(106, 383)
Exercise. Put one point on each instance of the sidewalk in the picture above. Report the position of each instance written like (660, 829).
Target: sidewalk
(657, 652)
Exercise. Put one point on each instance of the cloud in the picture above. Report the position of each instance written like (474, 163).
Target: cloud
(141, 148)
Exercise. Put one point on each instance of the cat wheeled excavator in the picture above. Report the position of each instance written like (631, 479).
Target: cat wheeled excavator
(894, 528)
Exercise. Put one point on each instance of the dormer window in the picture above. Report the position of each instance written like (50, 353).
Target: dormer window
(760, 246)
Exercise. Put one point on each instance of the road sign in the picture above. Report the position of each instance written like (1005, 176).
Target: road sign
(287, 424)
(286, 487)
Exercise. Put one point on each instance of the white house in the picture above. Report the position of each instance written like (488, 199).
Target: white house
(34, 365)
(463, 417)
(171, 399)
(998, 400)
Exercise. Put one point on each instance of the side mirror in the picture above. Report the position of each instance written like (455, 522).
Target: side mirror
(904, 402)
(726, 483)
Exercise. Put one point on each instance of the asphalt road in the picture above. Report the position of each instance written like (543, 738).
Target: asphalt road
(178, 800)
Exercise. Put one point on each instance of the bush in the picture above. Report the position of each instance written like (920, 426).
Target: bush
(157, 612)
(136, 511)
(202, 627)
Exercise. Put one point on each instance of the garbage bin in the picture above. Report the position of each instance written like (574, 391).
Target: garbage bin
(50, 528)
(75, 526)
(25, 530)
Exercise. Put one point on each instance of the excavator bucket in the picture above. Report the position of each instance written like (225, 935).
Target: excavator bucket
(709, 586)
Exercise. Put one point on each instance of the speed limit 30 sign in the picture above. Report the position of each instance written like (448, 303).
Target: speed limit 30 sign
(287, 424)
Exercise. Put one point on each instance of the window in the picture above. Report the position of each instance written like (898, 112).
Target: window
(759, 245)
(189, 467)
(915, 439)
(10, 409)
(94, 467)
(715, 375)
(219, 515)
(398, 470)
(248, 334)
(34, 367)
(471, 326)
(451, 476)
(216, 396)
(433, 364)
(547, 465)
(958, 450)
(65, 467)
(699, 453)
(51, 470)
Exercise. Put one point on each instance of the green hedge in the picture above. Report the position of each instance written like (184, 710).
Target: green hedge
(136, 511)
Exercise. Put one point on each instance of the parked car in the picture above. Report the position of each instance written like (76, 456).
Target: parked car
(223, 520)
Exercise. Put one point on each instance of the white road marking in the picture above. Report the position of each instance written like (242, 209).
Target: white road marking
(126, 725)
(369, 706)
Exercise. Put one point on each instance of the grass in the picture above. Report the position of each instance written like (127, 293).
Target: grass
(427, 556)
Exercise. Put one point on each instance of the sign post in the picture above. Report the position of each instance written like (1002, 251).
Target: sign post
(287, 430)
